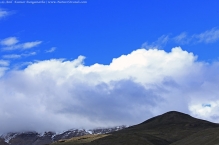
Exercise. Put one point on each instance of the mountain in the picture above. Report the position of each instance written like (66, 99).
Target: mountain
(171, 128)
(34, 138)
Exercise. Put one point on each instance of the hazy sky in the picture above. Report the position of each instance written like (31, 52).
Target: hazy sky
(100, 63)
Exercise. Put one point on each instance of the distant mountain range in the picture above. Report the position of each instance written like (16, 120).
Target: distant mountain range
(171, 128)
(34, 138)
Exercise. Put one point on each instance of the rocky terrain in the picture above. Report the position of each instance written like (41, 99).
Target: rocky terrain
(34, 138)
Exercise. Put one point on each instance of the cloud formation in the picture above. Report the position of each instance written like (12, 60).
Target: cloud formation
(209, 36)
(11, 43)
(51, 50)
(16, 56)
(4, 63)
(3, 13)
(160, 42)
(11, 56)
(3, 66)
(60, 94)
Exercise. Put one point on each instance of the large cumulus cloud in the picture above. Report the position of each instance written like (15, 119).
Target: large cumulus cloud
(61, 94)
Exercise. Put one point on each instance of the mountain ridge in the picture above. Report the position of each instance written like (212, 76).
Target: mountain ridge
(170, 128)
(35, 138)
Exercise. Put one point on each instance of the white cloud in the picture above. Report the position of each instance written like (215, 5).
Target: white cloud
(11, 56)
(158, 44)
(29, 45)
(3, 70)
(182, 38)
(9, 41)
(4, 63)
(15, 56)
(209, 36)
(4, 66)
(62, 94)
(28, 54)
(51, 50)
(3, 13)
(206, 112)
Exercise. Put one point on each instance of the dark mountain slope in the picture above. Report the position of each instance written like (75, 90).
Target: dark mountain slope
(205, 137)
(171, 128)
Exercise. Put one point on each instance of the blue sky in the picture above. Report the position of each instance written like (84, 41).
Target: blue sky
(114, 28)
(82, 56)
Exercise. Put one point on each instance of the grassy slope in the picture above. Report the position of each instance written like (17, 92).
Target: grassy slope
(80, 140)
(130, 139)
(205, 137)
